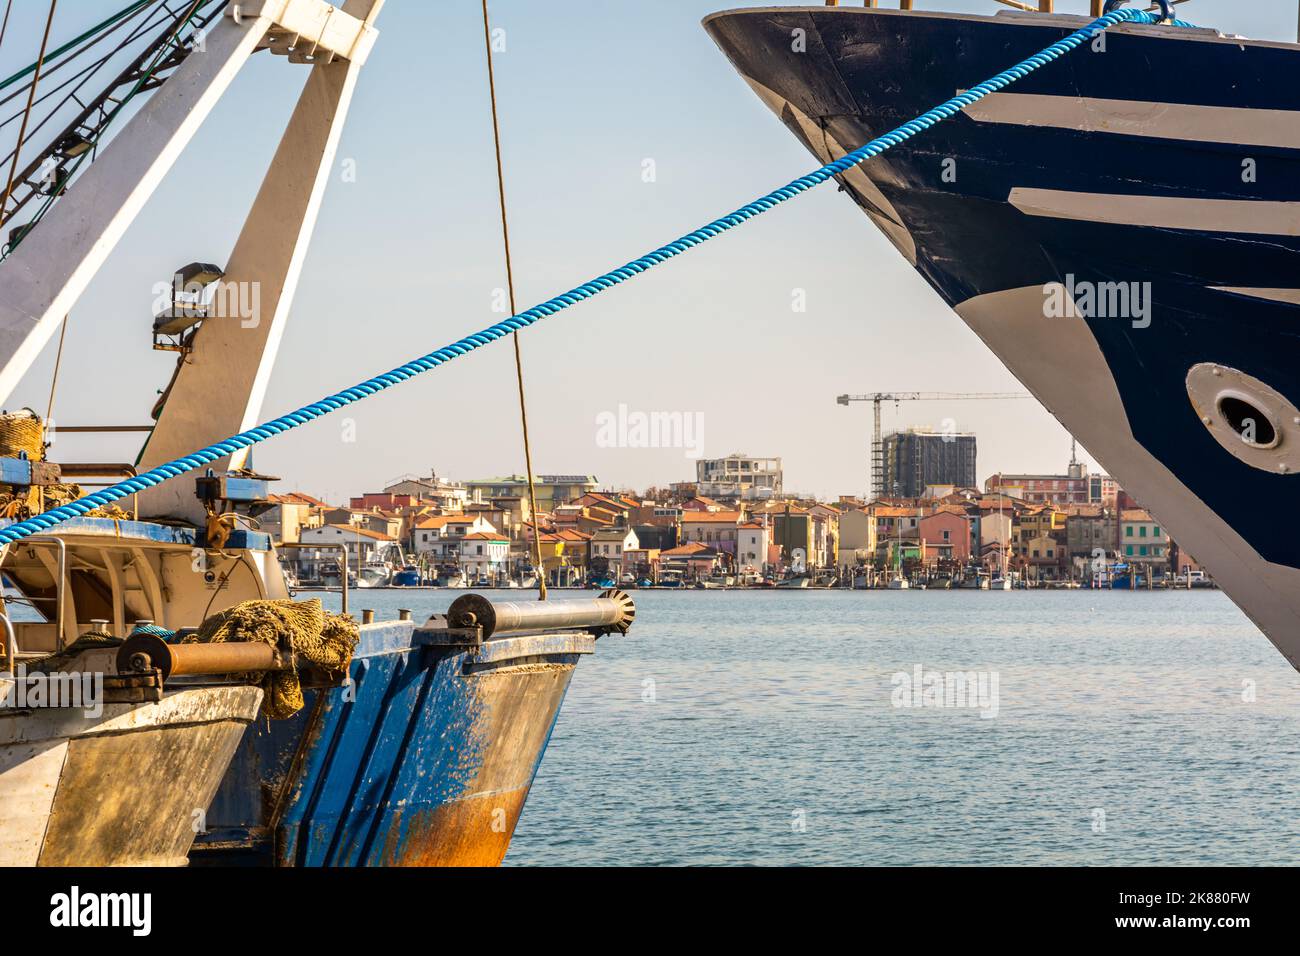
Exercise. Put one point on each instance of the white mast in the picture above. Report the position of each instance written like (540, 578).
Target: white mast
(221, 392)
(220, 388)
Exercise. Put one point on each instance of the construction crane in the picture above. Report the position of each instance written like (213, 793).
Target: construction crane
(877, 485)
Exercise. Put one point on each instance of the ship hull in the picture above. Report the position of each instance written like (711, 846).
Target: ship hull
(425, 759)
(1161, 169)
(125, 788)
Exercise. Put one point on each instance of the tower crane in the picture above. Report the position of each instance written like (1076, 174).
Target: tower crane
(876, 487)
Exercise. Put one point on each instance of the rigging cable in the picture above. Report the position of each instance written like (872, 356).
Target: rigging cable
(31, 96)
(164, 47)
(510, 287)
(58, 361)
(308, 413)
(4, 27)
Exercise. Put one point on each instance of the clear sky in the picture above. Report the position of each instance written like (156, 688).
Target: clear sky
(408, 256)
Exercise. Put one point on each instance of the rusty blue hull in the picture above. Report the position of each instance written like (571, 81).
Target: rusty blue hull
(424, 759)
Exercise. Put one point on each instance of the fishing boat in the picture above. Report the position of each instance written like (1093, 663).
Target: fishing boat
(421, 746)
(408, 577)
(1110, 226)
(73, 718)
(427, 758)
(374, 574)
(451, 578)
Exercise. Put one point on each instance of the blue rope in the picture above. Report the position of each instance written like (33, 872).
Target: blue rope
(276, 426)
(156, 631)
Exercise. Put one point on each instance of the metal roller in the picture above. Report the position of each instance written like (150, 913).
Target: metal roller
(143, 652)
(612, 611)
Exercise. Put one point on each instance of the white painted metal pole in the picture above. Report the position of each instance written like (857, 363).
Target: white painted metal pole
(220, 388)
(50, 269)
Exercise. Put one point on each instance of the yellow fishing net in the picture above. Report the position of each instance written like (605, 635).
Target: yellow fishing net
(304, 628)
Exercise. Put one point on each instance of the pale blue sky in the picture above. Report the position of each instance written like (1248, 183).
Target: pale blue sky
(407, 257)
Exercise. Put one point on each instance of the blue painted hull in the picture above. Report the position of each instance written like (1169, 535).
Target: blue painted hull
(426, 758)
(1167, 161)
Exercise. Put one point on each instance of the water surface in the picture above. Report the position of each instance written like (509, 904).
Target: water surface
(760, 728)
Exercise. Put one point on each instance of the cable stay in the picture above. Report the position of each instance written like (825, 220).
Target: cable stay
(276, 426)
(510, 288)
(49, 171)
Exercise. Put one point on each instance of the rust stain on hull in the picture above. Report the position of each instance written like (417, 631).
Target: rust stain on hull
(471, 832)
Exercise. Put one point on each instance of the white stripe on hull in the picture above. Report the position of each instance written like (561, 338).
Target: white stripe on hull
(1290, 296)
(1175, 121)
(1242, 216)
(1060, 362)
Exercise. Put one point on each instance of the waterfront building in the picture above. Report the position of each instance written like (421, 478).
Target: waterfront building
(586, 520)
(717, 529)
(945, 534)
(609, 547)
(826, 535)
(552, 490)
(1143, 542)
(917, 458)
(643, 562)
(380, 501)
(892, 519)
(444, 494)
(439, 536)
(1091, 534)
(485, 556)
(564, 554)
(858, 533)
(1041, 521)
(1044, 557)
(290, 514)
(739, 476)
(362, 544)
(698, 503)
(1076, 487)
(794, 533)
(693, 559)
(660, 537)
(753, 546)
(996, 528)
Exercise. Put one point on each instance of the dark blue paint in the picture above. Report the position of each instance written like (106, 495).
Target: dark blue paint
(865, 73)
(353, 766)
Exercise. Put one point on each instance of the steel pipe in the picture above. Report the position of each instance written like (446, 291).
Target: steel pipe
(144, 652)
(613, 610)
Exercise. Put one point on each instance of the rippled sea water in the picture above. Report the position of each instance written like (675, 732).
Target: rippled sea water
(761, 728)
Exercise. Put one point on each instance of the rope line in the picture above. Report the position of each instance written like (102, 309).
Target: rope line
(8, 245)
(276, 426)
(60, 50)
(27, 113)
(510, 287)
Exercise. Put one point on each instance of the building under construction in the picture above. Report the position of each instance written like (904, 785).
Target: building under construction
(917, 458)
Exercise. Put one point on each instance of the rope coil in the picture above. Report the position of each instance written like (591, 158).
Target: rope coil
(276, 426)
